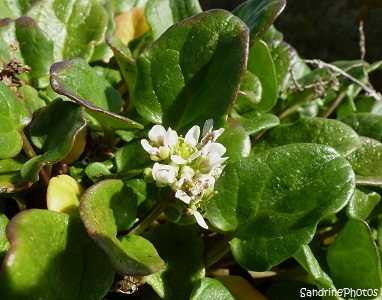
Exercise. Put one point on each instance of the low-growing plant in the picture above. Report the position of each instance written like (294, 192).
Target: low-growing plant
(152, 149)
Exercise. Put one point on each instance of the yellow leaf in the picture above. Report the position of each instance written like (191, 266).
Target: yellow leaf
(64, 194)
(131, 24)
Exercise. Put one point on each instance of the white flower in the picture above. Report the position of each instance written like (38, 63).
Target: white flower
(208, 134)
(211, 157)
(200, 220)
(161, 142)
(164, 174)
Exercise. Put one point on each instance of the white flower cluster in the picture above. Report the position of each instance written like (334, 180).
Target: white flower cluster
(190, 167)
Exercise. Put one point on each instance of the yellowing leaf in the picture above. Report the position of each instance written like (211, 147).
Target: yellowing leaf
(64, 194)
(78, 147)
(131, 24)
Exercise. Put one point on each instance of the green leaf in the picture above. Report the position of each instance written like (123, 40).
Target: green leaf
(308, 261)
(74, 27)
(72, 77)
(14, 116)
(312, 130)
(259, 15)
(56, 141)
(271, 202)
(161, 14)
(353, 258)
(13, 9)
(366, 161)
(10, 177)
(132, 158)
(362, 203)
(250, 90)
(236, 140)
(365, 124)
(209, 288)
(52, 257)
(98, 171)
(33, 101)
(258, 122)
(185, 78)
(108, 207)
(4, 244)
(183, 267)
(261, 64)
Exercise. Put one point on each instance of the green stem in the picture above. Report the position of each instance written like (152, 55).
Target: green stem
(155, 213)
(217, 252)
(29, 151)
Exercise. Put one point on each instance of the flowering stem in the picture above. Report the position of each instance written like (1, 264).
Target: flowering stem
(155, 212)
(220, 249)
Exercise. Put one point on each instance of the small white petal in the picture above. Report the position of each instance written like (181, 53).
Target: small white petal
(183, 196)
(199, 218)
(157, 133)
(150, 149)
(178, 160)
(192, 136)
(194, 156)
(164, 174)
(214, 148)
(208, 125)
(171, 138)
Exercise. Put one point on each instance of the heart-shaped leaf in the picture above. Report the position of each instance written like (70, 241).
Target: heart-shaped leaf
(101, 100)
(355, 241)
(161, 14)
(271, 202)
(185, 78)
(74, 27)
(14, 116)
(55, 141)
(259, 15)
(107, 208)
(51, 249)
(312, 130)
(183, 267)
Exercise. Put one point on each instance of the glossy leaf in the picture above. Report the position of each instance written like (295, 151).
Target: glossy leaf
(33, 101)
(74, 27)
(367, 160)
(132, 158)
(4, 244)
(256, 123)
(250, 90)
(14, 117)
(107, 208)
(13, 9)
(183, 267)
(10, 177)
(236, 140)
(365, 124)
(354, 242)
(64, 194)
(161, 14)
(309, 262)
(261, 64)
(98, 171)
(184, 78)
(271, 202)
(55, 141)
(209, 288)
(362, 203)
(60, 255)
(312, 130)
(259, 15)
(101, 100)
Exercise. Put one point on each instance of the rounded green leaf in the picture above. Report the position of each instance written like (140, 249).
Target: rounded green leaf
(52, 257)
(14, 116)
(74, 26)
(353, 258)
(75, 79)
(4, 244)
(53, 131)
(108, 207)
(181, 248)
(259, 15)
(312, 130)
(365, 124)
(161, 14)
(261, 64)
(362, 203)
(209, 288)
(10, 177)
(271, 202)
(185, 78)
(257, 122)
